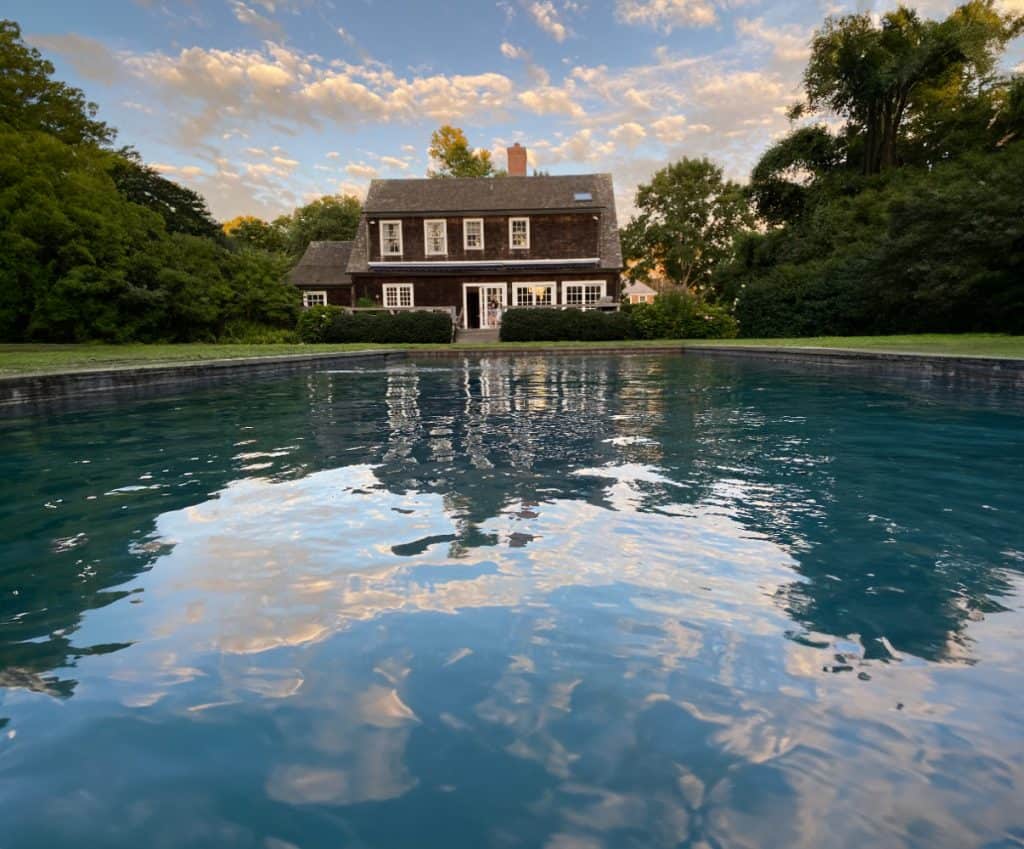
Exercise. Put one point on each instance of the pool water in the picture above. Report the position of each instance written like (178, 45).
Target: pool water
(564, 603)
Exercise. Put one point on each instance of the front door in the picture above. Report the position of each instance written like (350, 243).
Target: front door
(483, 304)
(492, 304)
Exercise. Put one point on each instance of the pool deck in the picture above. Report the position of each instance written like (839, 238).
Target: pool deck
(49, 388)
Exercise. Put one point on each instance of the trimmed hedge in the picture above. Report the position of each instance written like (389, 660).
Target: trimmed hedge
(334, 324)
(554, 325)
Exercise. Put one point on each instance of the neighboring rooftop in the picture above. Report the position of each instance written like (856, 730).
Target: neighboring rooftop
(639, 288)
(323, 264)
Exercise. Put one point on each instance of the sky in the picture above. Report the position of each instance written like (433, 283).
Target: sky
(262, 105)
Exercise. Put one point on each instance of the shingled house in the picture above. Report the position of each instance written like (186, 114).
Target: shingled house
(322, 274)
(479, 245)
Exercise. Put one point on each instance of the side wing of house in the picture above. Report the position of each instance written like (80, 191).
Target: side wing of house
(322, 274)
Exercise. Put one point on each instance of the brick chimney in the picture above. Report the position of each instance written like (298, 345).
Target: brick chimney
(517, 160)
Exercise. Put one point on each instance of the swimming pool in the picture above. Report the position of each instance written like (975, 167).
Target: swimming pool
(566, 602)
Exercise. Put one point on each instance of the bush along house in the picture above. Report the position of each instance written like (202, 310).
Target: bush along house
(478, 246)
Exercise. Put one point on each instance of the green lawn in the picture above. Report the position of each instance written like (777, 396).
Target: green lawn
(42, 359)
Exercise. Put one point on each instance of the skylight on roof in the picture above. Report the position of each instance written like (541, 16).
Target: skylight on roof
(579, 197)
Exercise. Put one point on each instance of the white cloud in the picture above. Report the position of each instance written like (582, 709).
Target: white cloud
(629, 135)
(551, 100)
(333, 154)
(360, 170)
(177, 170)
(393, 162)
(580, 147)
(510, 51)
(665, 15)
(546, 17)
(671, 129)
(788, 44)
(250, 17)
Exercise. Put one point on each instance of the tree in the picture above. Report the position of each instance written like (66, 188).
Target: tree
(877, 76)
(253, 232)
(335, 217)
(783, 175)
(183, 210)
(31, 100)
(688, 216)
(451, 154)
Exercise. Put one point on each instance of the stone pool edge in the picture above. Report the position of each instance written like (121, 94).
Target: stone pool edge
(29, 390)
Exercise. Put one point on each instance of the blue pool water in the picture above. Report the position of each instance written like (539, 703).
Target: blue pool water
(556, 603)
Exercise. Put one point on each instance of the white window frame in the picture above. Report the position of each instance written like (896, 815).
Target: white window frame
(511, 241)
(426, 236)
(397, 289)
(528, 287)
(567, 284)
(401, 243)
(466, 246)
(307, 293)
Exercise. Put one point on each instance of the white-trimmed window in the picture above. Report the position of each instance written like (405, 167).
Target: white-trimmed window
(533, 294)
(473, 234)
(519, 234)
(435, 236)
(390, 238)
(583, 293)
(314, 299)
(398, 295)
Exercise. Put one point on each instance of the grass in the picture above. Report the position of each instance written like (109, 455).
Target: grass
(49, 359)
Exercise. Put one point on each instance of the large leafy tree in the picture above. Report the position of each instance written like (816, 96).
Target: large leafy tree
(253, 232)
(880, 76)
(30, 99)
(334, 217)
(452, 156)
(182, 209)
(688, 216)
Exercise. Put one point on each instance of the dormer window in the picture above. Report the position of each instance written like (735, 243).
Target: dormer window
(519, 234)
(435, 236)
(391, 238)
(473, 234)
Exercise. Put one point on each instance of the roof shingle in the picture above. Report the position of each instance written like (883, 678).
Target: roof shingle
(323, 264)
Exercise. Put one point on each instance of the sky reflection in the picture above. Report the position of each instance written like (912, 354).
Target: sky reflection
(515, 602)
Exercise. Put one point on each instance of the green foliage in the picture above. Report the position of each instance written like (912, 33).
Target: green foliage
(183, 210)
(450, 151)
(30, 101)
(252, 232)
(922, 250)
(879, 77)
(688, 216)
(679, 315)
(424, 327)
(314, 323)
(554, 325)
(331, 218)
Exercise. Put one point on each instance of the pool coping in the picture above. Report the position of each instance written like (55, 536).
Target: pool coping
(48, 387)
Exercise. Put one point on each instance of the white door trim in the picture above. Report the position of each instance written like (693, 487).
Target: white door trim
(500, 287)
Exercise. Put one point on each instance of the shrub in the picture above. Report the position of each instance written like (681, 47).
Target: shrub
(554, 325)
(314, 322)
(435, 327)
(678, 315)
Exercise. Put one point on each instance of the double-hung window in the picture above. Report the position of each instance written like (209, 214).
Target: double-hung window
(519, 234)
(533, 294)
(583, 294)
(473, 234)
(314, 299)
(398, 295)
(391, 238)
(435, 236)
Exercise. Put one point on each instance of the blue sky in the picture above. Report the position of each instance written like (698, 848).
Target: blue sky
(265, 104)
